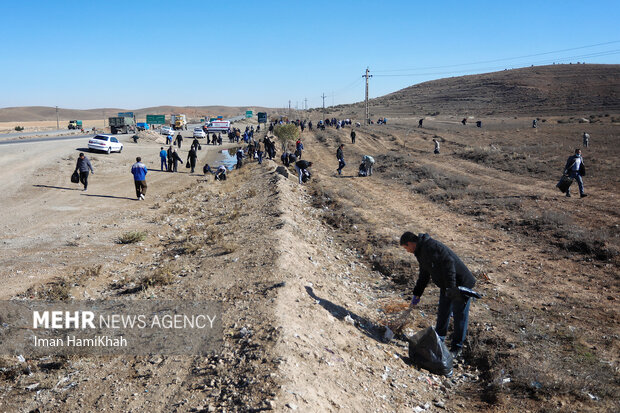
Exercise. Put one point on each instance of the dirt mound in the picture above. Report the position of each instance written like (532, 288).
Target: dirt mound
(151, 136)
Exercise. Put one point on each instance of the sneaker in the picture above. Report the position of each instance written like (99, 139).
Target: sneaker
(584, 195)
(567, 195)
(142, 197)
(456, 353)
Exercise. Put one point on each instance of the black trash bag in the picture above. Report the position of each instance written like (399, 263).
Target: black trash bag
(75, 177)
(564, 183)
(427, 351)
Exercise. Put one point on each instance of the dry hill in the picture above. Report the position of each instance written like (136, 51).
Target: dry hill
(538, 90)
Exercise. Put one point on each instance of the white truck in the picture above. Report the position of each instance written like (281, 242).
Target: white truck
(178, 122)
(217, 126)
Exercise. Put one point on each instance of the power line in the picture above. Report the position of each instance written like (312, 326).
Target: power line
(479, 70)
(498, 60)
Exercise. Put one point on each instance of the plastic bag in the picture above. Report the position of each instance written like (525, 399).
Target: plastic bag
(427, 351)
(75, 177)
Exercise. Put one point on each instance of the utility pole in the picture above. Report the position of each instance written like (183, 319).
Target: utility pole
(367, 76)
(306, 103)
(323, 96)
(57, 123)
(289, 107)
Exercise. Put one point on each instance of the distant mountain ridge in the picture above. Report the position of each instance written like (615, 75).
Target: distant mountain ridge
(42, 113)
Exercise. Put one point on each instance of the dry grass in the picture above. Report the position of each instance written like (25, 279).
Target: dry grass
(228, 247)
(163, 275)
(94, 271)
(131, 237)
(57, 290)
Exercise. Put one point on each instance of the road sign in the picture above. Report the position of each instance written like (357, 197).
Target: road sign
(248, 113)
(125, 114)
(262, 117)
(156, 119)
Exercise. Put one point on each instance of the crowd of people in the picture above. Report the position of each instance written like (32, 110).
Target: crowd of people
(436, 261)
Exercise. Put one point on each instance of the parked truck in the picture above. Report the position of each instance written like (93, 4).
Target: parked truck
(122, 124)
(75, 124)
(178, 122)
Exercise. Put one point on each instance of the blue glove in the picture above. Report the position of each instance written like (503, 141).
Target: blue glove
(414, 301)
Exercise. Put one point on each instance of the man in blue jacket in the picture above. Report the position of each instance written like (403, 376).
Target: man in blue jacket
(139, 172)
(163, 156)
(448, 272)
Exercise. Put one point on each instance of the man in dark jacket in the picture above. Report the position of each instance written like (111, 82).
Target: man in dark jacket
(340, 157)
(191, 159)
(175, 160)
(575, 168)
(352, 136)
(302, 169)
(179, 140)
(83, 166)
(445, 268)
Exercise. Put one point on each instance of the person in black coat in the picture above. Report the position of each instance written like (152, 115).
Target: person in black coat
(302, 169)
(175, 160)
(340, 157)
(448, 272)
(191, 158)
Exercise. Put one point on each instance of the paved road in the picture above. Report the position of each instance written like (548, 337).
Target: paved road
(23, 134)
(55, 133)
(46, 139)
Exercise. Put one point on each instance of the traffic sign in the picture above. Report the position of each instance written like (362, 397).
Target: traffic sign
(125, 114)
(156, 119)
(248, 113)
(262, 117)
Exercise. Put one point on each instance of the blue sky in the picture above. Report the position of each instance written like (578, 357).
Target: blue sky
(133, 54)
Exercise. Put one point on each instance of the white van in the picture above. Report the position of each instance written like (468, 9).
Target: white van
(218, 126)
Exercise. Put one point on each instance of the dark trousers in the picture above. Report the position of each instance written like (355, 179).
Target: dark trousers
(163, 164)
(341, 164)
(459, 309)
(260, 156)
(140, 188)
(84, 178)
